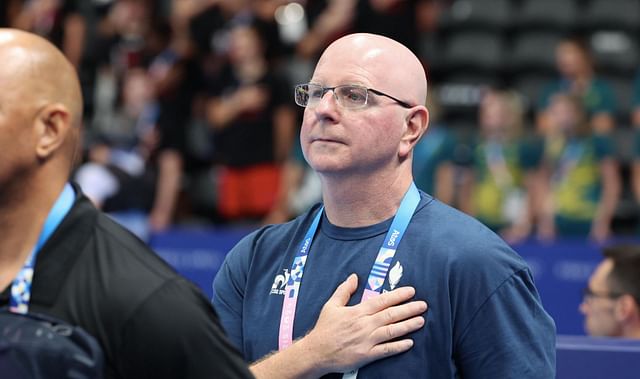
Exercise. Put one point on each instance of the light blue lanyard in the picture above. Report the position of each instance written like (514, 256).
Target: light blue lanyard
(21, 286)
(570, 156)
(377, 274)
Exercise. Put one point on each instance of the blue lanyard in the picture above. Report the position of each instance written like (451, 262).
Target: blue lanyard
(377, 274)
(21, 286)
(570, 156)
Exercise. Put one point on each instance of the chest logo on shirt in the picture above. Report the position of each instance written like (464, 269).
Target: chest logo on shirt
(394, 275)
(279, 283)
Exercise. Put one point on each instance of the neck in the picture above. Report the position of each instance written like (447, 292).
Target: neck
(352, 201)
(632, 329)
(22, 216)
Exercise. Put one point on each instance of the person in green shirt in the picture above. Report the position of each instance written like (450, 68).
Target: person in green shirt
(497, 180)
(578, 174)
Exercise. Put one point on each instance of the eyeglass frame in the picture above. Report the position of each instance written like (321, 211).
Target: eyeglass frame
(402, 103)
(588, 293)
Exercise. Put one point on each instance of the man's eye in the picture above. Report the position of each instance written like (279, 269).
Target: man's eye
(354, 96)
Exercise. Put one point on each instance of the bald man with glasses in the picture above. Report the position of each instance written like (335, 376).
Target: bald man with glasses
(389, 248)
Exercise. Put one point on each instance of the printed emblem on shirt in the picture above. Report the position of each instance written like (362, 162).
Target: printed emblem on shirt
(280, 283)
(395, 274)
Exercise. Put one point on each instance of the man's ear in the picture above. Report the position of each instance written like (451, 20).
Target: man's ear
(53, 124)
(626, 308)
(417, 121)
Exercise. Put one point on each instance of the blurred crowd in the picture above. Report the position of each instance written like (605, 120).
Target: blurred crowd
(189, 114)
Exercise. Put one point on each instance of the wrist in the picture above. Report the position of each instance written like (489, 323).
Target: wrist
(298, 361)
(314, 364)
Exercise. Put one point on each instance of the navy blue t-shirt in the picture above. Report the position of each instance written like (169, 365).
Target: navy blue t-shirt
(485, 318)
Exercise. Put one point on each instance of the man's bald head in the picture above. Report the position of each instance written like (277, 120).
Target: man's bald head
(41, 98)
(393, 66)
(37, 73)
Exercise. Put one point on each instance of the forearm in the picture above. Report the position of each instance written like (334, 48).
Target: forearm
(284, 124)
(74, 39)
(635, 179)
(611, 187)
(221, 112)
(299, 361)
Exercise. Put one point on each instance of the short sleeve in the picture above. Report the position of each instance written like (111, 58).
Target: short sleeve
(604, 146)
(636, 144)
(175, 333)
(228, 290)
(545, 95)
(510, 336)
(604, 101)
(636, 91)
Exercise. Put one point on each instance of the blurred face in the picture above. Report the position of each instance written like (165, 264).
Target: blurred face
(494, 114)
(598, 306)
(137, 91)
(244, 45)
(570, 59)
(563, 114)
(336, 140)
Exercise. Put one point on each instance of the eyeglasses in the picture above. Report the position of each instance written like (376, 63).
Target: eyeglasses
(348, 96)
(588, 294)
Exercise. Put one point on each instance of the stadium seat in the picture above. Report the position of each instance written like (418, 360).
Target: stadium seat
(622, 87)
(612, 14)
(478, 14)
(534, 50)
(555, 14)
(474, 49)
(530, 86)
(615, 51)
(460, 93)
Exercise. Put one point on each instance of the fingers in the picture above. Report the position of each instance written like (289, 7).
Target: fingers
(398, 329)
(343, 293)
(400, 312)
(390, 348)
(387, 299)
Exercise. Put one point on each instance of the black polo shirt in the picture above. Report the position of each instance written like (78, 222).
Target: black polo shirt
(150, 321)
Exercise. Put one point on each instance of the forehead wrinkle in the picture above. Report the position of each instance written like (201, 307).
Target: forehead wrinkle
(348, 73)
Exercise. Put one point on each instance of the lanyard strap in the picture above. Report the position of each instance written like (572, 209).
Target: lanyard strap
(21, 286)
(377, 274)
(568, 160)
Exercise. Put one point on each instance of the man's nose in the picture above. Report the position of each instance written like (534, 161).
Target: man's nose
(583, 307)
(327, 106)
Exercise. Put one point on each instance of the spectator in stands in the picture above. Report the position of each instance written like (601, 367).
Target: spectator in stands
(433, 156)
(611, 303)
(254, 125)
(499, 182)
(578, 77)
(635, 120)
(117, 176)
(578, 180)
(58, 21)
(9, 9)
(300, 188)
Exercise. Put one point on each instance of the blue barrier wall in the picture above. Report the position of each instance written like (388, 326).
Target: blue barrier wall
(561, 269)
(597, 358)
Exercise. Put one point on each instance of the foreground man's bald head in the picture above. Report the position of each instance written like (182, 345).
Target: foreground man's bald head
(392, 64)
(41, 100)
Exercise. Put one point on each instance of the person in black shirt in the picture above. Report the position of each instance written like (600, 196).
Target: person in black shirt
(89, 272)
